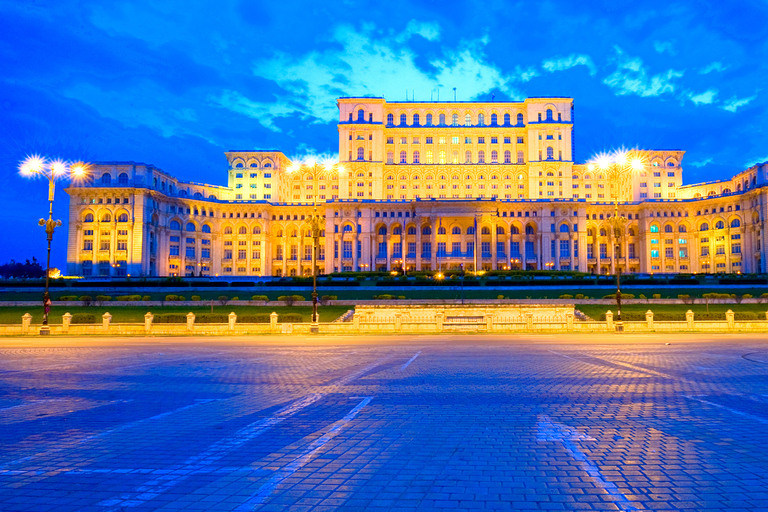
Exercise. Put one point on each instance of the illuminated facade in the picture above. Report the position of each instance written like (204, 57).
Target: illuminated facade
(426, 186)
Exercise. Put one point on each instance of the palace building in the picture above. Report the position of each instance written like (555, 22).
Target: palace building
(423, 186)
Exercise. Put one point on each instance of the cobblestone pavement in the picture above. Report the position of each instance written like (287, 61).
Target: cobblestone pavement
(614, 422)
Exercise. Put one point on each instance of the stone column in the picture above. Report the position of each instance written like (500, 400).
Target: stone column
(106, 319)
(26, 321)
(417, 220)
(609, 320)
(489, 323)
(528, 321)
(66, 320)
(148, 318)
(649, 319)
(439, 317)
(398, 321)
(569, 321)
(190, 321)
(232, 317)
(273, 322)
(729, 317)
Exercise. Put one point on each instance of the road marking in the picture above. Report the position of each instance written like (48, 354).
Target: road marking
(548, 430)
(734, 411)
(119, 428)
(33, 403)
(402, 368)
(266, 490)
(584, 358)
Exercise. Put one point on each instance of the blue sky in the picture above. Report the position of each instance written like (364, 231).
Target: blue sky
(176, 84)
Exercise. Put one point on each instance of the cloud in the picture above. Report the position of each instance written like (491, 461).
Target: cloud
(631, 77)
(706, 97)
(756, 161)
(713, 66)
(702, 163)
(733, 104)
(428, 30)
(370, 63)
(664, 46)
(573, 60)
(525, 75)
(264, 112)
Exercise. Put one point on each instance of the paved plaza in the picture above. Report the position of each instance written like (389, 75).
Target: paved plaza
(547, 422)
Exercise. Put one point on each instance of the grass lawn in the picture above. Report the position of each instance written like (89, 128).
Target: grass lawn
(135, 314)
(676, 311)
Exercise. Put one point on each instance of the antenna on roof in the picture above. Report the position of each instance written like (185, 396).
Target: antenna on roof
(454, 94)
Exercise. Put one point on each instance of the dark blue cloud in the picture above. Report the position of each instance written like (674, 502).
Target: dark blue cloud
(176, 84)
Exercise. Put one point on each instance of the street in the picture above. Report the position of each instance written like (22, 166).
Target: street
(534, 422)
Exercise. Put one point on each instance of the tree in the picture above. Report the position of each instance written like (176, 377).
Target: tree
(29, 269)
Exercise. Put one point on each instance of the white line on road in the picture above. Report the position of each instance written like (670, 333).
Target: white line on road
(549, 430)
(734, 411)
(266, 490)
(402, 368)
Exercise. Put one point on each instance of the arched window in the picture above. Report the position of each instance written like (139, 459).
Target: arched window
(429, 119)
(456, 230)
(507, 119)
(735, 223)
(549, 114)
(507, 157)
(494, 119)
(602, 232)
(481, 119)
(242, 230)
(631, 232)
(441, 230)
(415, 157)
(564, 228)
(719, 224)
(682, 229)
(397, 230)
(426, 230)
(415, 119)
(123, 217)
(550, 153)
(106, 218)
(494, 157)
(471, 230)
(485, 231)
(411, 230)
(239, 165)
(704, 227)
(500, 230)
(514, 230)
(442, 119)
(519, 118)
(256, 230)
(383, 230)
(106, 179)
(361, 115)
(206, 228)
(455, 119)
(361, 153)
(481, 157)
(228, 230)
(520, 157)
(175, 225)
(529, 230)
(254, 164)
(403, 120)
(88, 217)
(122, 179)
(668, 228)
(390, 119)
(347, 228)
(654, 228)
(467, 157)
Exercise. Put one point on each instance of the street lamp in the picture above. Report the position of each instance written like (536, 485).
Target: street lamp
(52, 171)
(619, 168)
(549, 265)
(314, 168)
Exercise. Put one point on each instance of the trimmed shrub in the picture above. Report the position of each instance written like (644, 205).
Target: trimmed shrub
(290, 299)
(623, 296)
(383, 296)
(326, 298)
(146, 297)
(253, 319)
(83, 318)
(235, 298)
(401, 297)
(260, 297)
(641, 296)
(223, 299)
(67, 297)
(212, 318)
(746, 296)
(580, 296)
(174, 298)
(87, 300)
(656, 295)
(290, 318)
(568, 296)
(715, 295)
(129, 298)
(170, 318)
(195, 298)
(103, 298)
(499, 297)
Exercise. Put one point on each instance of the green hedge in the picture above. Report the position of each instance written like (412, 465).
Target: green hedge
(129, 298)
(83, 318)
(170, 318)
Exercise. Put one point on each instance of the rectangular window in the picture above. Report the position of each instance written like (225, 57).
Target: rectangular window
(411, 250)
(530, 253)
(471, 249)
(654, 253)
(500, 250)
(631, 250)
(604, 251)
(228, 253)
(441, 249)
(347, 249)
(205, 253)
(736, 248)
(426, 249)
(486, 249)
(104, 245)
(87, 245)
(307, 252)
(669, 252)
(382, 250)
(720, 249)
(565, 249)
(515, 249)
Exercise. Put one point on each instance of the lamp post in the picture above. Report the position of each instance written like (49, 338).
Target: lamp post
(313, 167)
(52, 171)
(619, 168)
